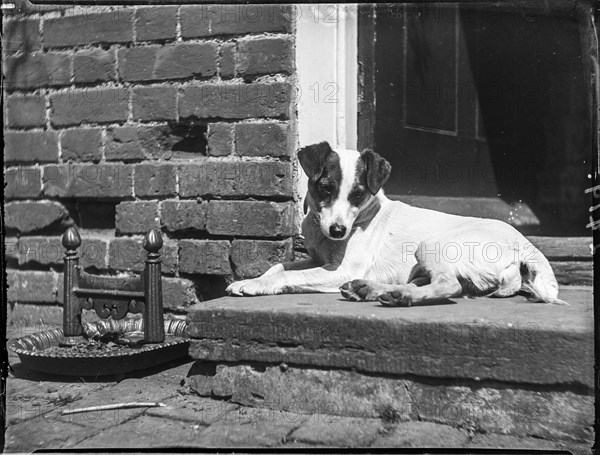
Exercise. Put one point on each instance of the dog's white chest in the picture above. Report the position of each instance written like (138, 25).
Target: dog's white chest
(375, 252)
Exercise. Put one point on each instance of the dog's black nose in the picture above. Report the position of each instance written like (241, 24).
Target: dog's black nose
(337, 231)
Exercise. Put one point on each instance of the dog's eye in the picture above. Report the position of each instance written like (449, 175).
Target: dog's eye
(357, 196)
(325, 188)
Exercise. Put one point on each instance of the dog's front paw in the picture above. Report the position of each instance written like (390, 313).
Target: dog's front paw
(236, 288)
(255, 286)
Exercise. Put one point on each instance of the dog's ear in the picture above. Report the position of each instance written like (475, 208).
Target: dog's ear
(378, 170)
(313, 157)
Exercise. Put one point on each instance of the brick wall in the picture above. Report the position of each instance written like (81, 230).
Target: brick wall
(118, 120)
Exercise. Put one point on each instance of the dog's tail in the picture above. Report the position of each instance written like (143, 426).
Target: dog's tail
(538, 279)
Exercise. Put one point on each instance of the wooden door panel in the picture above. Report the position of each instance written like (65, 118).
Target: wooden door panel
(482, 100)
(427, 104)
(430, 69)
(427, 163)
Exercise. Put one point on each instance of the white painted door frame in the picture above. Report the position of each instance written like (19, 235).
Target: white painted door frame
(326, 62)
(327, 65)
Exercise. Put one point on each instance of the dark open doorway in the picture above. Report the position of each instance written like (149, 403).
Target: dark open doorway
(482, 110)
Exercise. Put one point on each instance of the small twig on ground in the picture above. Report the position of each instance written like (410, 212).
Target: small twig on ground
(110, 407)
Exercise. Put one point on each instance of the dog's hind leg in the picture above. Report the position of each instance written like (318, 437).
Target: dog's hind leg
(442, 286)
(369, 290)
(433, 278)
(510, 281)
(364, 290)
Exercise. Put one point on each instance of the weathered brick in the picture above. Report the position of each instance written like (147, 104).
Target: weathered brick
(89, 28)
(94, 65)
(49, 251)
(21, 35)
(178, 293)
(40, 250)
(93, 253)
(32, 71)
(205, 20)
(127, 253)
(27, 217)
(155, 103)
(154, 180)
(39, 317)
(11, 250)
(88, 180)
(168, 62)
(250, 218)
(210, 257)
(227, 62)
(25, 286)
(97, 105)
(241, 178)
(195, 21)
(81, 144)
(181, 216)
(26, 111)
(236, 101)
(252, 258)
(156, 23)
(23, 183)
(263, 139)
(146, 142)
(265, 56)
(220, 139)
(137, 143)
(136, 217)
(30, 147)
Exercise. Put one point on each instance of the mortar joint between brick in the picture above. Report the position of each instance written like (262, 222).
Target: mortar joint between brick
(72, 68)
(134, 24)
(103, 142)
(117, 68)
(129, 102)
(41, 30)
(235, 58)
(234, 138)
(178, 36)
(133, 167)
(265, 35)
(114, 49)
(48, 110)
(176, 170)
(59, 144)
(178, 94)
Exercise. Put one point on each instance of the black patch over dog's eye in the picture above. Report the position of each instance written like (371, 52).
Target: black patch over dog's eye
(357, 195)
(325, 187)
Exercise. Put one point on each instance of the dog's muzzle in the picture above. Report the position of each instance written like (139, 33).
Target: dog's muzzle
(337, 231)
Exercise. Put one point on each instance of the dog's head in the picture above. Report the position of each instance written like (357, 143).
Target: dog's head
(340, 184)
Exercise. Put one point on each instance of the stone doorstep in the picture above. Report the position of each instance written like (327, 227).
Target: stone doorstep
(507, 340)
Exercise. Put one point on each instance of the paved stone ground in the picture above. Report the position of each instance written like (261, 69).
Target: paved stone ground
(35, 403)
